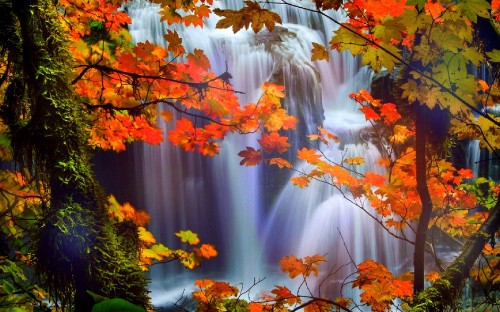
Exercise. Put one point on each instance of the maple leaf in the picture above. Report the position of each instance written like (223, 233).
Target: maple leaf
(146, 236)
(369, 113)
(319, 52)
(494, 56)
(301, 181)
(189, 237)
(174, 42)
(328, 135)
(255, 307)
(328, 4)
(378, 58)
(161, 250)
(280, 162)
(403, 288)
(346, 40)
(354, 160)
(284, 294)
(474, 8)
(319, 306)
(274, 142)
(432, 276)
(390, 29)
(252, 14)
(374, 179)
(308, 155)
(273, 89)
(251, 156)
(207, 251)
(390, 113)
(199, 59)
(312, 263)
(293, 266)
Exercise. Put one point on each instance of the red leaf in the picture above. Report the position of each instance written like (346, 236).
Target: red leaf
(251, 156)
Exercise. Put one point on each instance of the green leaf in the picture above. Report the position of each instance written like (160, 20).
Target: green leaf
(161, 250)
(346, 40)
(390, 28)
(456, 65)
(378, 58)
(494, 56)
(188, 237)
(419, 3)
(473, 55)
(425, 53)
(474, 8)
(447, 40)
(151, 254)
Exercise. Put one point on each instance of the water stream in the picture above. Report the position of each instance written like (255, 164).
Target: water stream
(252, 221)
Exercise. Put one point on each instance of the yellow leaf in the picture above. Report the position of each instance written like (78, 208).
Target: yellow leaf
(354, 161)
(146, 236)
(378, 58)
(319, 52)
(252, 14)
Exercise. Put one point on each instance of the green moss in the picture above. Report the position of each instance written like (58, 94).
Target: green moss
(76, 247)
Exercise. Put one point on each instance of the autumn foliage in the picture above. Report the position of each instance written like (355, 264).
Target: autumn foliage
(128, 90)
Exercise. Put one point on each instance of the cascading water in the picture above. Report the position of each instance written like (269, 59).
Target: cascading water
(227, 204)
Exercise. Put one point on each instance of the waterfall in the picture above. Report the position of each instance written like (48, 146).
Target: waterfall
(229, 205)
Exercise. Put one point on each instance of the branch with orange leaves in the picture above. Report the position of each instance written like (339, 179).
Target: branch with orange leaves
(200, 85)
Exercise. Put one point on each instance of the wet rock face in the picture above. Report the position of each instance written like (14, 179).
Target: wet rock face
(295, 71)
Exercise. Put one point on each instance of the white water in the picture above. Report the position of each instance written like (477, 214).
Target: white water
(226, 203)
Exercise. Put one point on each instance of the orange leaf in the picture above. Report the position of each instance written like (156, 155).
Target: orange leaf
(374, 179)
(174, 42)
(432, 276)
(208, 251)
(199, 59)
(283, 293)
(274, 142)
(328, 135)
(255, 307)
(369, 113)
(273, 89)
(293, 266)
(308, 155)
(390, 113)
(280, 162)
(301, 181)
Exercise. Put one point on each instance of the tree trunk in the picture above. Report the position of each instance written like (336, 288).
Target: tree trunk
(76, 248)
(423, 191)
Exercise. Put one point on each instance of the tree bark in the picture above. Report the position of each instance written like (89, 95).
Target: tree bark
(425, 198)
(76, 247)
(443, 292)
